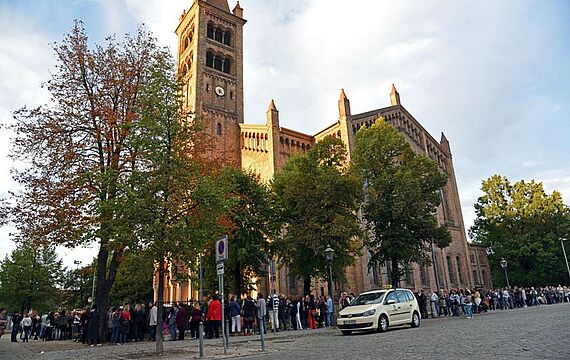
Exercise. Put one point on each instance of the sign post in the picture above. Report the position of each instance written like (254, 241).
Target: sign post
(272, 294)
(221, 256)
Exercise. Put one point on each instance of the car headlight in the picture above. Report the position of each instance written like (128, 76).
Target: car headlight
(369, 312)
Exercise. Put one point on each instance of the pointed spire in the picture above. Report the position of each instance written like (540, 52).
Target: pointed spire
(445, 143)
(343, 104)
(272, 115)
(394, 96)
(272, 106)
(238, 10)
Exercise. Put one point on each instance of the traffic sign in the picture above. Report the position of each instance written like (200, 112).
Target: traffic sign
(220, 268)
(222, 249)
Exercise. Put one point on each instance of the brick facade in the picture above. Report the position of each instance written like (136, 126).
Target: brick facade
(265, 148)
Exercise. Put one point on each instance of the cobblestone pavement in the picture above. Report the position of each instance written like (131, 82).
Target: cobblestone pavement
(531, 333)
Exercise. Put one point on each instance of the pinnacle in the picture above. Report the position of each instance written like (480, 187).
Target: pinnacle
(394, 89)
(342, 95)
(272, 106)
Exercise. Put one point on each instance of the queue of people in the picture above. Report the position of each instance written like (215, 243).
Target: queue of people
(457, 302)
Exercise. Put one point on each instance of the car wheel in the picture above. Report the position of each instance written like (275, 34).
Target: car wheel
(415, 320)
(346, 332)
(382, 323)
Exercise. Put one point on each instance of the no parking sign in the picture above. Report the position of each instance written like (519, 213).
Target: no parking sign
(222, 249)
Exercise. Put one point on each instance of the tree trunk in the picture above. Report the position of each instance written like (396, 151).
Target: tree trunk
(395, 273)
(306, 285)
(237, 277)
(160, 301)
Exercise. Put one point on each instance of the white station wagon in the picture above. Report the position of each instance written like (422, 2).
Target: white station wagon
(378, 309)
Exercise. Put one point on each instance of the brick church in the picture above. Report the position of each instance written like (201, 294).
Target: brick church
(210, 60)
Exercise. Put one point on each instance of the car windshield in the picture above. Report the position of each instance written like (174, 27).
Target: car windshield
(367, 299)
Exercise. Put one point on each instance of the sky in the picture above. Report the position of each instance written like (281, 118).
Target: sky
(494, 76)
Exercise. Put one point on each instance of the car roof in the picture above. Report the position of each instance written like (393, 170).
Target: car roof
(381, 290)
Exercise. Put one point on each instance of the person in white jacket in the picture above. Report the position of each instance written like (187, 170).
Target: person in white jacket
(152, 321)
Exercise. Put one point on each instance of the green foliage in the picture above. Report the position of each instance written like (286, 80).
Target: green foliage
(250, 222)
(133, 282)
(522, 224)
(318, 203)
(77, 286)
(29, 279)
(402, 192)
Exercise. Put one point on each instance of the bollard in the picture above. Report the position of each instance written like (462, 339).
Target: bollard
(201, 337)
(227, 332)
(262, 332)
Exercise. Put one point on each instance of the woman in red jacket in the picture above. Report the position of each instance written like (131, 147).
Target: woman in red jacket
(214, 317)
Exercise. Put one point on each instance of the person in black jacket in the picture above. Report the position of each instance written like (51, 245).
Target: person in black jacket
(16, 320)
(93, 327)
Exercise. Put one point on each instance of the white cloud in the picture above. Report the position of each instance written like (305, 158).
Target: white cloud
(490, 75)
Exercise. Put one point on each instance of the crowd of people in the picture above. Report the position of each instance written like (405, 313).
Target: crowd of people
(456, 302)
(247, 316)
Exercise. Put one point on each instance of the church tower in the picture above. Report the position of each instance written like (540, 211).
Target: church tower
(210, 61)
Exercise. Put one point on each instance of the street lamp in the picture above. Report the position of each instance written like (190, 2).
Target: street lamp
(504, 266)
(564, 251)
(329, 254)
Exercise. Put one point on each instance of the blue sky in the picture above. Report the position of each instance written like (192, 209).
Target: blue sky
(493, 75)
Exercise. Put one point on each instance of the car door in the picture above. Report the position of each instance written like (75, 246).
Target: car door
(391, 306)
(406, 302)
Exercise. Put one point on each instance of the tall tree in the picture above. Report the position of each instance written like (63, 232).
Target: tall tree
(134, 279)
(402, 194)
(523, 224)
(318, 203)
(29, 278)
(174, 199)
(77, 151)
(250, 223)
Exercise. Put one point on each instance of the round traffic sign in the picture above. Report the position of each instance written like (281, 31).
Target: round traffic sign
(221, 248)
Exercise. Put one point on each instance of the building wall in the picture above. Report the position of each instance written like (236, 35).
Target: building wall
(265, 148)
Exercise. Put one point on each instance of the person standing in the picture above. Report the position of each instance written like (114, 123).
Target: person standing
(16, 320)
(434, 304)
(422, 302)
(248, 315)
(214, 317)
(171, 319)
(181, 321)
(261, 313)
(3, 321)
(138, 323)
(468, 304)
(330, 311)
(27, 327)
(93, 327)
(195, 318)
(282, 311)
(235, 312)
(152, 321)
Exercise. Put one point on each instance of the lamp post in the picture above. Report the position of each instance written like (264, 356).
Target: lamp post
(504, 266)
(564, 251)
(329, 254)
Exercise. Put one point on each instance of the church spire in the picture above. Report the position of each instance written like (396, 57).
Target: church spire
(394, 96)
(238, 10)
(272, 115)
(343, 104)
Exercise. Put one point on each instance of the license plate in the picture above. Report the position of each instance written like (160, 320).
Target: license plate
(349, 322)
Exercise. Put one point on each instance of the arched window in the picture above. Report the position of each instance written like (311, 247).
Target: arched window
(460, 271)
(228, 38)
(218, 35)
(424, 279)
(219, 129)
(451, 271)
(475, 277)
(484, 278)
(226, 65)
(210, 32)
(209, 59)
